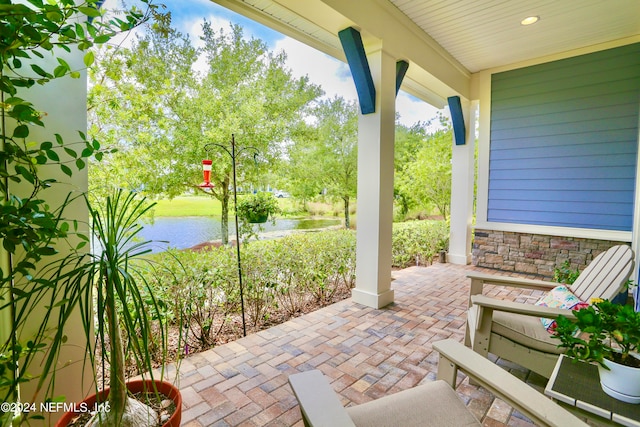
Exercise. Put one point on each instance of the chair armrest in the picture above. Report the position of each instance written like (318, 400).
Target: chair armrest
(514, 282)
(319, 403)
(520, 308)
(540, 409)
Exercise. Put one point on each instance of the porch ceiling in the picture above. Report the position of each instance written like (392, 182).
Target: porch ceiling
(446, 41)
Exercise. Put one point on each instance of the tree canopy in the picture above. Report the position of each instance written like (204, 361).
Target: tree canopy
(426, 180)
(325, 159)
(155, 105)
(162, 105)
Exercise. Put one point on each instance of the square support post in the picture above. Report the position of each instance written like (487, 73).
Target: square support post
(462, 185)
(375, 188)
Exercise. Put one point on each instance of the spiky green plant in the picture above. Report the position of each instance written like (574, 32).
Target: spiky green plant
(127, 315)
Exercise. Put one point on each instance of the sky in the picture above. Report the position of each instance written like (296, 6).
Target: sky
(331, 74)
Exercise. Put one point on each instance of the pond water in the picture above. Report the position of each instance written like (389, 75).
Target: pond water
(185, 232)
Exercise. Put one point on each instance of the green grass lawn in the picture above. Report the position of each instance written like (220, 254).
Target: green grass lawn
(188, 206)
(202, 206)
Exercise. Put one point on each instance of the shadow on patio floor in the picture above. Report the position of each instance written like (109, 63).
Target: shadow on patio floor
(367, 353)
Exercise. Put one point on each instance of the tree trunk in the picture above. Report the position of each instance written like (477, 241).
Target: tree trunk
(347, 220)
(122, 411)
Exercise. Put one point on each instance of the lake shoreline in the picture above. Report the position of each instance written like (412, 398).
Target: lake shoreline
(268, 235)
(188, 232)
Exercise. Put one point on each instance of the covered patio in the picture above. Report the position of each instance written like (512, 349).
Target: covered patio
(553, 174)
(543, 99)
(367, 353)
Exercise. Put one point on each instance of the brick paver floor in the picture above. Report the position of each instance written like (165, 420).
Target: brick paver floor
(366, 353)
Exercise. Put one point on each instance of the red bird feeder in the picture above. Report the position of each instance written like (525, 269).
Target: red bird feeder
(206, 173)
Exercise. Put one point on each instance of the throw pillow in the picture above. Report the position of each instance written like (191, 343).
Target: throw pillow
(559, 297)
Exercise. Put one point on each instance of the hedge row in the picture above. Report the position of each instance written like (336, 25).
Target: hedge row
(280, 277)
(418, 242)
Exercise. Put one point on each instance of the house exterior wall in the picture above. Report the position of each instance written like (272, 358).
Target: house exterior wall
(534, 254)
(564, 139)
(557, 167)
(64, 107)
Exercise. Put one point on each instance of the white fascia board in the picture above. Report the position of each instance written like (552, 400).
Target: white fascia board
(328, 43)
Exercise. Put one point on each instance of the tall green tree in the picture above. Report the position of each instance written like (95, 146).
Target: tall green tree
(408, 141)
(427, 179)
(162, 113)
(304, 179)
(326, 157)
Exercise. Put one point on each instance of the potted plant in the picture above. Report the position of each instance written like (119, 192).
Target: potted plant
(258, 208)
(129, 315)
(607, 334)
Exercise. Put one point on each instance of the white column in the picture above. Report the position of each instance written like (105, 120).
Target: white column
(375, 188)
(462, 180)
(64, 104)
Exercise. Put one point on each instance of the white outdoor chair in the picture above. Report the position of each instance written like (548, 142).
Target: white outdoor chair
(431, 404)
(514, 332)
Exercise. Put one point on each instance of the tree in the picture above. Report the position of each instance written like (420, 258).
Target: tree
(408, 141)
(428, 178)
(326, 156)
(304, 173)
(162, 113)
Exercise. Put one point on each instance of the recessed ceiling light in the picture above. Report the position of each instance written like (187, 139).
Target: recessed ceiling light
(530, 20)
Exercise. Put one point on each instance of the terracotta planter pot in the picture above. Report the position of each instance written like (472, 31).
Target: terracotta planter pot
(134, 387)
(620, 382)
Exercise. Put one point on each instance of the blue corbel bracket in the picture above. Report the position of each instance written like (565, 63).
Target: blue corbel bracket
(359, 66)
(457, 119)
(401, 70)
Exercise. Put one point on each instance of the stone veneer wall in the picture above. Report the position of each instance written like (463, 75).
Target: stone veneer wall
(533, 253)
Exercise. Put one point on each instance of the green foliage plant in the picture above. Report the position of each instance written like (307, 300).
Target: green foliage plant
(426, 180)
(417, 242)
(604, 330)
(324, 158)
(564, 273)
(256, 209)
(203, 289)
(117, 271)
(34, 35)
(280, 274)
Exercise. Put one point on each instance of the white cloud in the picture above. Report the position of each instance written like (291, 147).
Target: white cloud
(413, 110)
(320, 68)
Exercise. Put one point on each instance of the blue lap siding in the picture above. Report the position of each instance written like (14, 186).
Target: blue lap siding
(564, 141)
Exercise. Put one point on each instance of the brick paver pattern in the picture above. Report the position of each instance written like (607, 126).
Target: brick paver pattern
(366, 353)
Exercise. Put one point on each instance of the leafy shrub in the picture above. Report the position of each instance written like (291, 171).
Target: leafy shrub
(417, 242)
(281, 275)
(201, 289)
(564, 273)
